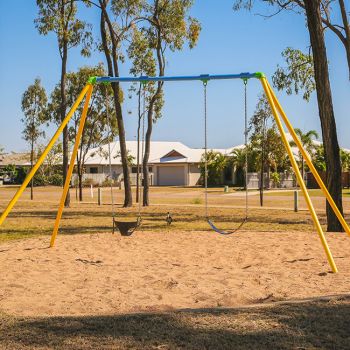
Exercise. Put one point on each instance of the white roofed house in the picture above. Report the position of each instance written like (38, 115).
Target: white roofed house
(170, 163)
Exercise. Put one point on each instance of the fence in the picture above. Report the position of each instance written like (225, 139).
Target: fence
(99, 179)
(311, 182)
(285, 181)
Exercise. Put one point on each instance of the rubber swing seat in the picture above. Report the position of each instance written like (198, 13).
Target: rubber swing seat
(126, 228)
(222, 232)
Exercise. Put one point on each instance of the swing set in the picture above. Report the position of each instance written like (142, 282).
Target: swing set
(129, 227)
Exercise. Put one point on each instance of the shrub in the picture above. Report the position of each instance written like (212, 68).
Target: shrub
(107, 182)
(196, 201)
(56, 180)
(276, 179)
(88, 182)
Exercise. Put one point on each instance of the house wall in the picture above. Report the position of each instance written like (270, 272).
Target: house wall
(191, 173)
(194, 174)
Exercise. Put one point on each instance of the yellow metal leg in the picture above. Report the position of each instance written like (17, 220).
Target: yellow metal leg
(309, 162)
(298, 175)
(71, 166)
(43, 156)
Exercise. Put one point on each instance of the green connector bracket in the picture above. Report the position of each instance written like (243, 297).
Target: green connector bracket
(92, 80)
(260, 75)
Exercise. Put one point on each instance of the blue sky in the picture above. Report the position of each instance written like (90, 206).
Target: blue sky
(230, 42)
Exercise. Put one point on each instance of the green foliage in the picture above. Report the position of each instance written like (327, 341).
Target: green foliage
(88, 182)
(345, 160)
(99, 128)
(307, 141)
(11, 171)
(130, 158)
(216, 163)
(196, 201)
(107, 182)
(318, 159)
(56, 179)
(50, 172)
(34, 102)
(276, 179)
(163, 25)
(21, 173)
(60, 17)
(265, 140)
(298, 75)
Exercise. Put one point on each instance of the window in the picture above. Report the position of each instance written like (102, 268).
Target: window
(93, 170)
(134, 169)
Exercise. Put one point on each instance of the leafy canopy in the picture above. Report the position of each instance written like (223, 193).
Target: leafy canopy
(59, 16)
(34, 103)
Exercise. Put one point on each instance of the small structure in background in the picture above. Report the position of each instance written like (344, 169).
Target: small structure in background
(10, 163)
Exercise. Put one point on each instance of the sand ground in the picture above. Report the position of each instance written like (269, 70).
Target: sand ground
(102, 274)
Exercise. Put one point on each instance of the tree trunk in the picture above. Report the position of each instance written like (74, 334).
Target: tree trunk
(138, 147)
(63, 115)
(161, 64)
(31, 167)
(325, 105)
(346, 42)
(80, 183)
(113, 70)
(147, 153)
(303, 168)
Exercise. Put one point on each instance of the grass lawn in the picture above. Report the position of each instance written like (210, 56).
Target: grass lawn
(312, 192)
(186, 205)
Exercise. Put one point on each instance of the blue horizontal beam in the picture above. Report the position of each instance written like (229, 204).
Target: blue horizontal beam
(202, 77)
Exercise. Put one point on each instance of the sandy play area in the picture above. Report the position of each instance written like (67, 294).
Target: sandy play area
(105, 274)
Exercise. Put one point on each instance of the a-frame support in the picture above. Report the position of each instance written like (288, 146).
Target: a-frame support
(300, 180)
(71, 165)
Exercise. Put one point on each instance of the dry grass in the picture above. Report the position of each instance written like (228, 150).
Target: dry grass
(307, 325)
(31, 218)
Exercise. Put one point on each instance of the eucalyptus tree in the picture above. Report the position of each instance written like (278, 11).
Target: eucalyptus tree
(100, 126)
(60, 17)
(317, 15)
(142, 63)
(265, 138)
(114, 34)
(34, 102)
(166, 25)
(334, 16)
(307, 141)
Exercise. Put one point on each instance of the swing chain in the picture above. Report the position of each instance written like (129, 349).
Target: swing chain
(109, 121)
(205, 82)
(245, 81)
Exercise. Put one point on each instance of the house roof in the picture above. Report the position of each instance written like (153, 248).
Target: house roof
(18, 159)
(161, 152)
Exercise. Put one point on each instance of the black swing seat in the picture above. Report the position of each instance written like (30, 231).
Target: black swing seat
(222, 232)
(127, 228)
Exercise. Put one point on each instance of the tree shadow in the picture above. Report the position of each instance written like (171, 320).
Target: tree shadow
(306, 325)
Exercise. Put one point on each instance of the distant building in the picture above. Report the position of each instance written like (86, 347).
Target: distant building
(13, 158)
(170, 163)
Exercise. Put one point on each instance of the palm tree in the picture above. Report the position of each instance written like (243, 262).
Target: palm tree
(238, 159)
(345, 160)
(307, 141)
